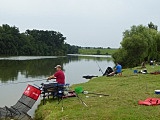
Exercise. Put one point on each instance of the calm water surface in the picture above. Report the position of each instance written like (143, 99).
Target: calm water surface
(29, 68)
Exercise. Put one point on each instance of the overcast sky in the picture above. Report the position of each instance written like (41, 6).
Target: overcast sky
(94, 23)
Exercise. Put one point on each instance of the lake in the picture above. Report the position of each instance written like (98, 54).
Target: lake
(17, 72)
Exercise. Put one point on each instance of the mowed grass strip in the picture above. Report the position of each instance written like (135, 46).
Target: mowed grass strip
(94, 51)
(121, 104)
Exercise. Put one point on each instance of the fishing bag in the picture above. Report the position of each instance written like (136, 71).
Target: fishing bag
(150, 101)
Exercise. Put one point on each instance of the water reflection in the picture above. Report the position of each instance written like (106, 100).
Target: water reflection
(9, 69)
(35, 67)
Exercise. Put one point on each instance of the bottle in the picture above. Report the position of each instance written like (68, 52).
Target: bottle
(85, 92)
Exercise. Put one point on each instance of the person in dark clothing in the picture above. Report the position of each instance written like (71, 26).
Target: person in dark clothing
(108, 71)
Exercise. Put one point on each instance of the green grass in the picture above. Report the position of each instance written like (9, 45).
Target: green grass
(91, 51)
(121, 104)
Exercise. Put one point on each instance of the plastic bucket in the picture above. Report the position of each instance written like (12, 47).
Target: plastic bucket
(135, 71)
(78, 90)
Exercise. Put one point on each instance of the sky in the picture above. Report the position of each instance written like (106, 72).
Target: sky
(86, 23)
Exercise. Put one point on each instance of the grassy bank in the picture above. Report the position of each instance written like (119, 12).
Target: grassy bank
(94, 51)
(121, 104)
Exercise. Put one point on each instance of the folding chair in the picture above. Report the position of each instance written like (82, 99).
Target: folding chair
(54, 90)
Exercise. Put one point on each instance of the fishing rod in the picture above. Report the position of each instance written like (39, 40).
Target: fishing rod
(99, 68)
(86, 92)
(23, 82)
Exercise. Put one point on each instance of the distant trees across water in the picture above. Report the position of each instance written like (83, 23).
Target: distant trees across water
(33, 42)
(140, 43)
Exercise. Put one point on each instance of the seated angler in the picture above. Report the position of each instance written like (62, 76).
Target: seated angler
(118, 70)
(58, 75)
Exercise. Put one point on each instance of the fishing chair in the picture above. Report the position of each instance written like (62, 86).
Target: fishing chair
(24, 104)
(55, 90)
(60, 91)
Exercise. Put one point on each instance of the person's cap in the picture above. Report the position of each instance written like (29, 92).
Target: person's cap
(58, 66)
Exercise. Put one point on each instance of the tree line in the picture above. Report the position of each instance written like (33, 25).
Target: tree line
(140, 43)
(33, 42)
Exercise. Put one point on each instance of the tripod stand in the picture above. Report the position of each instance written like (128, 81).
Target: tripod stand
(61, 94)
(81, 100)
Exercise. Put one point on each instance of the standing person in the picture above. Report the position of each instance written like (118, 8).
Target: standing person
(58, 75)
(118, 69)
(143, 65)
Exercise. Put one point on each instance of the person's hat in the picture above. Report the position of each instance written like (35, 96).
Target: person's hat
(58, 66)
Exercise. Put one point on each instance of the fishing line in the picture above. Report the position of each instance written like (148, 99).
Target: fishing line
(22, 82)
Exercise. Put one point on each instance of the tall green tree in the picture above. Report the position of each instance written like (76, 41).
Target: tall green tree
(49, 42)
(138, 44)
(9, 40)
(152, 26)
(33, 42)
